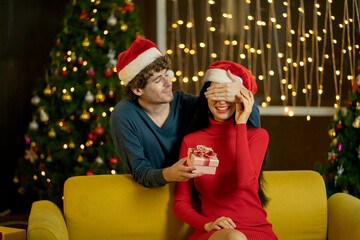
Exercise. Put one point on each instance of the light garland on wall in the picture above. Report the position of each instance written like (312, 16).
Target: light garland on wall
(281, 62)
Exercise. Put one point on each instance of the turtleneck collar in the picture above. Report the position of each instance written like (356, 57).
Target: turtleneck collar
(220, 128)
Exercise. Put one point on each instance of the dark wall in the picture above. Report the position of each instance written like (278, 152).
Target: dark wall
(28, 30)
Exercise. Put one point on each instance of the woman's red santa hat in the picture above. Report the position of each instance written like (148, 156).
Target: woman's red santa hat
(138, 56)
(217, 72)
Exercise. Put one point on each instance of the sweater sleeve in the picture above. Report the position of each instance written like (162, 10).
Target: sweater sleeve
(183, 208)
(131, 152)
(251, 148)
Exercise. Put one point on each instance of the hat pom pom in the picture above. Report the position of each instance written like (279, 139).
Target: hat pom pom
(170, 73)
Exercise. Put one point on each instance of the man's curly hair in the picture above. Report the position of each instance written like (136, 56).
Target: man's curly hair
(140, 80)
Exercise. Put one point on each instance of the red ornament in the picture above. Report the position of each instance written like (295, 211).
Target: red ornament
(57, 42)
(350, 103)
(99, 40)
(333, 158)
(113, 160)
(338, 126)
(35, 149)
(89, 172)
(92, 136)
(64, 73)
(111, 94)
(99, 131)
(108, 73)
(84, 15)
(80, 61)
(127, 8)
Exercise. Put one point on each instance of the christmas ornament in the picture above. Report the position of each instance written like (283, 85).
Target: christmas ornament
(111, 94)
(66, 97)
(338, 126)
(99, 160)
(100, 97)
(334, 142)
(112, 60)
(52, 133)
(85, 116)
(332, 156)
(33, 125)
(124, 27)
(30, 156)
(113, 160)
(89, 98)
(80, 159)
(99, 41)
(332, 133)
(99, 131)
(356, 123)
(91, 72)
(64, 72)
(16, 180)
(80, 61)
(112, 21)
(44, 116)
(71, 145)
(95, 28)
(339, 147)
(357, 106)
(47, 91)
(84, 15)
(108, 72)
(57, 42)
(89, 172)
(92, 136)
(86, 42)
(49, 158)
(35, 100)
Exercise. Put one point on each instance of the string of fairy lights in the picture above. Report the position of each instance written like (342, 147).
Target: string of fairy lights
(292, 55)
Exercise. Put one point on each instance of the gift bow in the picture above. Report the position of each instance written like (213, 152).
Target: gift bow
(202, 151)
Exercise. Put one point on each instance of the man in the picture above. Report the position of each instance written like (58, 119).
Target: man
(148, 126)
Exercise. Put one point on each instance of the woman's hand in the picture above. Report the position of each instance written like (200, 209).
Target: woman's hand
(220, 223)
(226, 91)
(244, 107)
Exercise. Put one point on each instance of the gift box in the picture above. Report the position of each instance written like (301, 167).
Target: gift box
(203, 158)
(7, 233)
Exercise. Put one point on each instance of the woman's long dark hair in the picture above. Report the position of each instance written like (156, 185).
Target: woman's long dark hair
(201, 120)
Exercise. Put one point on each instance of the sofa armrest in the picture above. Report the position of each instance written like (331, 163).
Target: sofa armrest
(46, 222)
(343, 217)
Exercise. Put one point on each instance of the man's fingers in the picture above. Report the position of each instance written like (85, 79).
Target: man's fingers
(181, 161)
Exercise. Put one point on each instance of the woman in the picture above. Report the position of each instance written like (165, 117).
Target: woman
(230, 204)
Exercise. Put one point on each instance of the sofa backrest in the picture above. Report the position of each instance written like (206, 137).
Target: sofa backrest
(116, 207)
(298, 204)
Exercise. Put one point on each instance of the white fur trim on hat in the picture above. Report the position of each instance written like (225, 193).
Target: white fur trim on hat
(139, 63)
(219, 76)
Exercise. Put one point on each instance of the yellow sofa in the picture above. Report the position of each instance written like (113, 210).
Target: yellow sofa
(105, 207)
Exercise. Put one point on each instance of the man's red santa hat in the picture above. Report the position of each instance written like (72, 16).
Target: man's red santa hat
(139, 55)
(217, 72)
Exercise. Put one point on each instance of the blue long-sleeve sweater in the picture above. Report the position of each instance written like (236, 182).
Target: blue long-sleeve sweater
(145, 148)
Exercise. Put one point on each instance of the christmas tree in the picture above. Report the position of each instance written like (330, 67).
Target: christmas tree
(342, 173)
(69, 132)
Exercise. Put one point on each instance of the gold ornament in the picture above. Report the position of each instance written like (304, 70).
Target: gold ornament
(124, 27)
(100, 97)
(80, 159)
(85, 116)
(47, 91)
(72, 145)
(334, 142)
(332, 133)
(16, 179)
(67, 97)
(357, 106)
(86, 42)
(44, 116)
(52, 133)
(356, 123)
